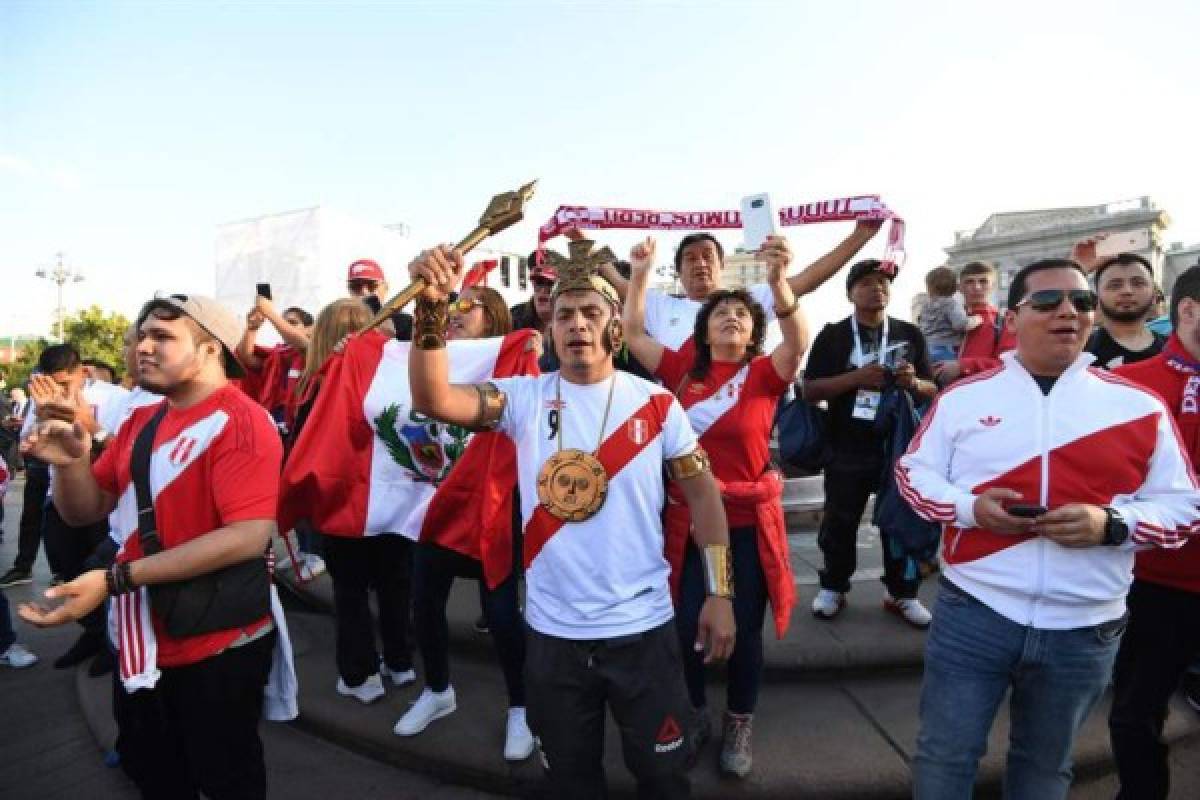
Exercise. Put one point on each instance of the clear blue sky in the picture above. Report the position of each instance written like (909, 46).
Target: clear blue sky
(129, 131)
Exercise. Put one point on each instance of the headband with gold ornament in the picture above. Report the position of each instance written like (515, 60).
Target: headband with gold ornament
(579, 271)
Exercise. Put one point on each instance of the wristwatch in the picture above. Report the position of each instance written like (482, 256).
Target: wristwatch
(1115, 529)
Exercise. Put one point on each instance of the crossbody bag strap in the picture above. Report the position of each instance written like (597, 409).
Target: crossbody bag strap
(139, 467)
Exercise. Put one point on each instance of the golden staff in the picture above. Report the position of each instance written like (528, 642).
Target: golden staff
(505, 210)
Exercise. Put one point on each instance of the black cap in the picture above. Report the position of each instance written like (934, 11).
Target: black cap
(865, 267)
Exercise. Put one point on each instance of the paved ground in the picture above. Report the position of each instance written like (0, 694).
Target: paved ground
(48, 750)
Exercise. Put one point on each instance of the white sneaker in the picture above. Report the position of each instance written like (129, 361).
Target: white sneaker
(430, 705)
(17, 657)
(518, 739)
(828, 603)
(314, 565)
(366, 692)
(908, 609)
(399, 677)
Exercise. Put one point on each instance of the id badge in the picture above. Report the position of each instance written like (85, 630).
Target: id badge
(866, 404)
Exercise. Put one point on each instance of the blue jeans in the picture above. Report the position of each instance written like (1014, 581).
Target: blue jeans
(942, 352)
(973, 657)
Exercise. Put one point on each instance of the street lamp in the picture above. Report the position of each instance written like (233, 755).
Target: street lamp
(61, 275)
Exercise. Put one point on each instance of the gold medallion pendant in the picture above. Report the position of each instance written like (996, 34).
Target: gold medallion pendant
(572, 485)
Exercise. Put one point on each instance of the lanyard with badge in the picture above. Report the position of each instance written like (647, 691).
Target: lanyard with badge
(866, 401)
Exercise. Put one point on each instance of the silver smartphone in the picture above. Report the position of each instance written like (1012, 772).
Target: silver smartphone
(758, 220)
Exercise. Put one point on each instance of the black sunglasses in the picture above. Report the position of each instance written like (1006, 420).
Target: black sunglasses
(1084, 300)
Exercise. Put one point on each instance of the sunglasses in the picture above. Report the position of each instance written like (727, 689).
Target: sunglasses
(464, 305)
(1084, 300)
(359, 286)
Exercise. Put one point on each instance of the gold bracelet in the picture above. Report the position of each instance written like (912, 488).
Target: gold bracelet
(784, 313)
(430, 318)
(718, 570)
(491, 406)
(689, 465)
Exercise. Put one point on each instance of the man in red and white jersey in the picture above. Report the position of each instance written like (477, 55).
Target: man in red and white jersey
(188, 704)
(591, 442)
(1163, 637)
(1048, 474)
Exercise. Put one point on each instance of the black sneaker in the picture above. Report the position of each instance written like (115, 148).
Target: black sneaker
(1191, 689)
(15, 577)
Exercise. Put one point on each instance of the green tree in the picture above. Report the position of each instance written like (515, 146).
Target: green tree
(95, 333)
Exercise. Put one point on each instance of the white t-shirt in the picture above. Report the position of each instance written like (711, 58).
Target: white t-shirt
(671, 320)
(606, 576)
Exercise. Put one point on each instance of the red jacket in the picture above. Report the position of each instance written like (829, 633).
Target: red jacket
(1175, 375)
(981, 347)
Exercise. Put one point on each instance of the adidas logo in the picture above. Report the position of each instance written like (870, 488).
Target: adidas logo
(989, 421)
(669, 737)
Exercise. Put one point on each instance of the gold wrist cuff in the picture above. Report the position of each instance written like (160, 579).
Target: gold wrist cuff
(430, 318)
(688, 466)
(491, 406)
(718, 570)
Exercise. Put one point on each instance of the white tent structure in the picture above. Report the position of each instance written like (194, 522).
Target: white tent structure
(303, 254)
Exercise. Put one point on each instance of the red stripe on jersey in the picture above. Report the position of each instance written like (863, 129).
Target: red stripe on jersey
(616, 451)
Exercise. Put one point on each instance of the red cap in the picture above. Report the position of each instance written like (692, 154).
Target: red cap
(365, 270)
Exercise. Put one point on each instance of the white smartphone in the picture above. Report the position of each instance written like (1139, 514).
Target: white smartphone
(758, 220)
(1123, 242)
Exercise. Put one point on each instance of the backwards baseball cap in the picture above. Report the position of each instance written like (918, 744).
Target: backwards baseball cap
(542, 265)
(365, 270)
(216, 320)
(865, 267)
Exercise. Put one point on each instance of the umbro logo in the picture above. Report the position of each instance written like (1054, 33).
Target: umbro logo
(669, 737)
(989, 421)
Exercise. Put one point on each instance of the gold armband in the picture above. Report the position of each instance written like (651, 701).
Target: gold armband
(491, 406)
(429, 324)
(718, 570)
(688, 466)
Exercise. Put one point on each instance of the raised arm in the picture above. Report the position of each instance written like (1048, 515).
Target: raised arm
(825, 267)
(245, 348)
(293, 335)
(428, 365)
(644, 348)
(793, 324)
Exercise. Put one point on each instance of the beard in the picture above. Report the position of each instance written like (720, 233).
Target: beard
(1126, 316)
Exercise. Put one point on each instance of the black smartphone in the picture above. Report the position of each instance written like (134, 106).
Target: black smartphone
(1026, 512)
(263, 290)
(373, 303)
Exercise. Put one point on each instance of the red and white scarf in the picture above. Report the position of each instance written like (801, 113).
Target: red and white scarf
(840, 209)
(132, 631)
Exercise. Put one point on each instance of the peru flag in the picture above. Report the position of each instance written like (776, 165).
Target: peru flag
(366, 464)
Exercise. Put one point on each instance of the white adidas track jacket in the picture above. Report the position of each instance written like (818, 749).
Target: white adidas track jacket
(1095, 438)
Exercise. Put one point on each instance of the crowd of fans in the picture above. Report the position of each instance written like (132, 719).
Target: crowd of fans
(1048, 446)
